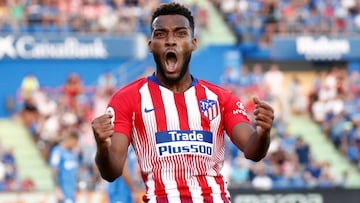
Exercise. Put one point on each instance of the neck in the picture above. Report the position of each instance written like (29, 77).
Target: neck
(176, 86)
(65, 145)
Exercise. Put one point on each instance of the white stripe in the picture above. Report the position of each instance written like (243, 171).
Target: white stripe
(192, 106)
(194, 115)
(216, 191)
(195, 189)
(150, 127)
(150, 183)
(172, 123)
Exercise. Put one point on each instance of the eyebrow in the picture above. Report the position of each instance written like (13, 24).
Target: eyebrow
(176, 29)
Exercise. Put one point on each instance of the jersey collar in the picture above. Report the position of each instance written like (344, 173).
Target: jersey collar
(153, 78)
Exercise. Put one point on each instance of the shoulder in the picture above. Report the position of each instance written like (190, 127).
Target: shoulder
(56, 155)
(56, 148)
(219, 90)
(131, 89)
(58, 151)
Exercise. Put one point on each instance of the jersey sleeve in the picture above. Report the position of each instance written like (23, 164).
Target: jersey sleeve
(121, 109)
(234, 113)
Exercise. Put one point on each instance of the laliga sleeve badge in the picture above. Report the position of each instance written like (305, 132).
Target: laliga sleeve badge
(111, 111)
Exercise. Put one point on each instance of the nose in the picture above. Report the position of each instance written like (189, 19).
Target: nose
(171, 39)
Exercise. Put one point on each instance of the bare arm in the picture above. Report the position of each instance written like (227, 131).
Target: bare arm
(112, 148)
(255, 142)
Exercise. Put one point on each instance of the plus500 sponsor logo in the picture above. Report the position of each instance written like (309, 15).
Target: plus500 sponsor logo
(170, 143)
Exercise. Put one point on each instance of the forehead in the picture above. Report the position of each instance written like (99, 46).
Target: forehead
(170, 21)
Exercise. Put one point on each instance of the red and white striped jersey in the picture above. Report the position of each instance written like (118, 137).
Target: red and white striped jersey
(178, 137)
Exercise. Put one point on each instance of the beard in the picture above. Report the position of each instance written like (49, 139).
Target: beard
(161, 69)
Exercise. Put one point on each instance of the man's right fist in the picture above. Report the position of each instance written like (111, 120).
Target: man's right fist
(103, 129)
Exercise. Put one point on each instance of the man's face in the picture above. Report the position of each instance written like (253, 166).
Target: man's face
(171, 45)
(73, 143)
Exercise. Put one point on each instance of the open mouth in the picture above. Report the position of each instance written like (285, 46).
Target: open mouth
(170, 61)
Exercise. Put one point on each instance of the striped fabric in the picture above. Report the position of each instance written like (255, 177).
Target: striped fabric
(178, 137)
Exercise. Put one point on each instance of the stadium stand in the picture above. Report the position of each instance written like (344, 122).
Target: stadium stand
(324, 150)
(259, 21)
(29, 163)
(296, 152)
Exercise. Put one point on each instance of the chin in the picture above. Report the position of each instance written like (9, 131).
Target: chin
(173, 77)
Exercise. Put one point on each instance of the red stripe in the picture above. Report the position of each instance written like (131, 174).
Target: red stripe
(215, 110)
(180, 170)
(182, 111)
(158, 103)
(205, 124)
(200, 94)
(220, 181)
(206, 190)
(161, 126)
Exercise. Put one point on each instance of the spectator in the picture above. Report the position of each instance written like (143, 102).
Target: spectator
(314, 168)
(29, 86)
(257, 75)
(33, 11)
(303, 152)
(107, 81)
(288, 143)
(64, 162)
(240, 173)
(230, 77)
(273, 80)
(296, 97)
(4, 14)
(73, 88)
(17, 15)
(261, 181)
(245, 77)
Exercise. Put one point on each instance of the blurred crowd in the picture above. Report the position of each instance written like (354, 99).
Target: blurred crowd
(9, 177)
(119, 17)
(259, 20)
(335, 106)
(255, 21)
(69, 107)
(289, 163)
(334, 102)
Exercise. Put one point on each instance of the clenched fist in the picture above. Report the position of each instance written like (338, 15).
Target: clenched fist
(103, 129)
(264, 116)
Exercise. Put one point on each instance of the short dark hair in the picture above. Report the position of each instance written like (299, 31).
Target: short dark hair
(173, 9)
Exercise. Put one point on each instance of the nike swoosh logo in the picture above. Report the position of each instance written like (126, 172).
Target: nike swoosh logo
(146, 110)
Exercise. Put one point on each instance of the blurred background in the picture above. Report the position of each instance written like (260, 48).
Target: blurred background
(61, 60)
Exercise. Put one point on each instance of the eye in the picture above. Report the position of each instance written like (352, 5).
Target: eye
(181, 33)
(159, 34)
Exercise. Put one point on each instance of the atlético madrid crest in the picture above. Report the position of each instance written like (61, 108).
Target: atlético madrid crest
(209, 108)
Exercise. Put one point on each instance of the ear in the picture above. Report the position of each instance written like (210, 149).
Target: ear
(149, 46)
(194, 44)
